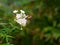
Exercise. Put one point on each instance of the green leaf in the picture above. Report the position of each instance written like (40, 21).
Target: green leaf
(6, 44)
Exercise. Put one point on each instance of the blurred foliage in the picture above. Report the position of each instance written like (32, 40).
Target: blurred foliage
(43, 27)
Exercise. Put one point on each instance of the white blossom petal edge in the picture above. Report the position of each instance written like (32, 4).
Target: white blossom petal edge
(22, 11)
(15, 11)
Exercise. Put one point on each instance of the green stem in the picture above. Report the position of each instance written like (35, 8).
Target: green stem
(7, 39)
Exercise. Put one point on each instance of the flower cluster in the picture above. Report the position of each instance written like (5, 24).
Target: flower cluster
(20, 17)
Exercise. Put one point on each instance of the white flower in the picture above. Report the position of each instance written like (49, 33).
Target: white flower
(21, 18)
(15, 11)
(22, 22)
(22, 11)
(18, 16)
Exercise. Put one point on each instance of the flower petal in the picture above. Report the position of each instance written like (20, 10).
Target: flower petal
(22, 11)
(15, 11)
(22, 22)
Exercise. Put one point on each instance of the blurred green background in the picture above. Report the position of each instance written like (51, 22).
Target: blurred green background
(42, 29)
